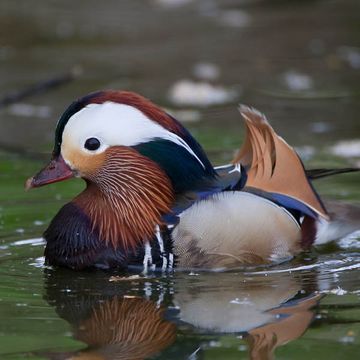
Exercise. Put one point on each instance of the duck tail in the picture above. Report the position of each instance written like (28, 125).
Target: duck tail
(273, 166)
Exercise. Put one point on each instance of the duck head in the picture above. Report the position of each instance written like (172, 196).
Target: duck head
(136, 160)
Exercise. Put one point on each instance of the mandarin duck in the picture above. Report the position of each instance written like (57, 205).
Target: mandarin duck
(153, 200)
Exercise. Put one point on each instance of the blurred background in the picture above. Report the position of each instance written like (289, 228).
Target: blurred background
(298, 61)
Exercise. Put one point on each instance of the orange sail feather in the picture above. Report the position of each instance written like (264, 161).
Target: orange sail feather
(273, 165)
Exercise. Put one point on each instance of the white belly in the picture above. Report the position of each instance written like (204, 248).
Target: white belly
(234, 228)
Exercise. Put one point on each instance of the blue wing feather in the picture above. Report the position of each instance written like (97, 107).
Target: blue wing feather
(293, 204)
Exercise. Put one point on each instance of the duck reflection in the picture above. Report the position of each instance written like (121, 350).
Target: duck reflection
(126, 328)
(293, 320)
(130, 319)
(113, 325)
(268, 311)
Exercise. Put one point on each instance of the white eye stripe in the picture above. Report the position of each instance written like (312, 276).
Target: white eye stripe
(115, 125)
(179, 141)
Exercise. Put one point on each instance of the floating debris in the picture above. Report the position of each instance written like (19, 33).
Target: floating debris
(6, 52)
(234, 18)
(320, 127)
(173, 3)
(14, 97)
(351, 55)
(305, 152)
(317, 46)
(349, 337)
(28, 110)
(214, 343)
(338, 291)
(192, 273)
(185, 115)
(351, 241)
(39, 262)
(187, 92)
(346, 148)
(244, 301)
(124, 278)
(297, 81)
(65, 29)
(32, 242)
(206, 71)
(38, 222)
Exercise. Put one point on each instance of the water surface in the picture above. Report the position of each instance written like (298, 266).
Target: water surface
(297, 61)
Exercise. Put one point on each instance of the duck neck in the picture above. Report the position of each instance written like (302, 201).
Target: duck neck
(125, 206)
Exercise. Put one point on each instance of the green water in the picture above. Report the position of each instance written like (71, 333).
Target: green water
(297, 61)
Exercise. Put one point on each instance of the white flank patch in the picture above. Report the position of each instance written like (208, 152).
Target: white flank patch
(229, 216)
(115, 124)
(147, 257)
(161, 246)
(171, 261)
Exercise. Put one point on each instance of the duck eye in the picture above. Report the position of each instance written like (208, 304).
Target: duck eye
(92, 144)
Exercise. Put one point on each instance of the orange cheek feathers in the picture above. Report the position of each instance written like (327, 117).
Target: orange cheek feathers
(86, 165)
